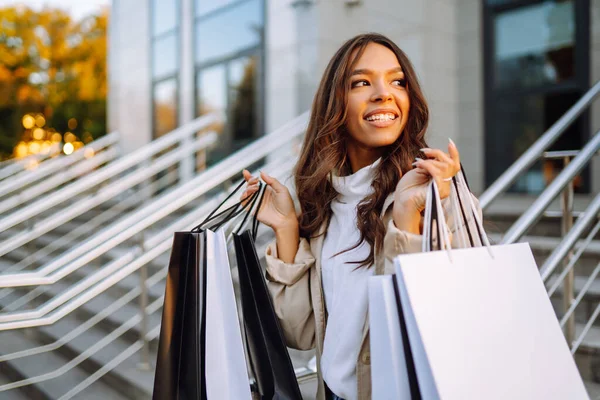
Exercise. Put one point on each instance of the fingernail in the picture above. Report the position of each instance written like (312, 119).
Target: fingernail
(418, 159)
(425, 149)
(452, 142)
(415, 163)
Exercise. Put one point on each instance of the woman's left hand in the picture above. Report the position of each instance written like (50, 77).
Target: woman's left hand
(411, 192)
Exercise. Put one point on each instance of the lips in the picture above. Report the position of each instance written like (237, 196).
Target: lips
(381, 114)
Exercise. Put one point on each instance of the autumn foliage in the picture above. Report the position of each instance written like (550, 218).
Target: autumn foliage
(55, 67)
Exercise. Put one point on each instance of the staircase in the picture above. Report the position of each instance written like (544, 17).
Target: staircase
(84, 250)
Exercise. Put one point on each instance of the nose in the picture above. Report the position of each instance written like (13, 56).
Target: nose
(381, 93)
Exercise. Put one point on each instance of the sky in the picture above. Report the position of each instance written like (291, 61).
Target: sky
(77, 8)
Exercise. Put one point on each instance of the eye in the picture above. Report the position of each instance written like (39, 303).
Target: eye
(400, 82)
(359, 83)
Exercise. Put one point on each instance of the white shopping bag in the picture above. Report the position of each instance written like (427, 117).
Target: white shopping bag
(478, 321)
(481, 326)
(390, 376)
(225, 361)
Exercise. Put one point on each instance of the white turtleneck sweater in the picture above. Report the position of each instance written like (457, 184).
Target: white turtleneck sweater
(345, 285)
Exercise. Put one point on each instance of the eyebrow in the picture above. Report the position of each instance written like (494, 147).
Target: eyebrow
(364, 71)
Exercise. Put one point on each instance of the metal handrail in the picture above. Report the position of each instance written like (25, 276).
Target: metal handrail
(51, 166)
(555, 258)
(537, 149)
(534, 212)
(123, 164)
(158, 208)
(77, 170)
(572, 260)
(125, 326)
(89, 226)
(17, 166)
(156, 249)
(106, 193)
(128, 263)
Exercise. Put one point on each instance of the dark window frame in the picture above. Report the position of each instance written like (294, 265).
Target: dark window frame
(175, 75)
(580, 82)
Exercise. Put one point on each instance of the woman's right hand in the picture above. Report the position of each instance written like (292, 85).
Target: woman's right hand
(277, 209)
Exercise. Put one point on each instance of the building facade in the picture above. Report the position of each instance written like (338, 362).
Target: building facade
(496, 73)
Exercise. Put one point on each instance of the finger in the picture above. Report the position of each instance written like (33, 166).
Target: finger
(248, 193)
(429, 166)
(438, 155)
(441, 165)
(453, 151)
(247, 175)
(274, 183)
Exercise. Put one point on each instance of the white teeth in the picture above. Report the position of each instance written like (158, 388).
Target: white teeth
(381, 117)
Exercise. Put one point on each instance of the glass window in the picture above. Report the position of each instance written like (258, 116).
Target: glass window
(242, 100)
(211, 84)
(164, 57)
(534, 45)
(203, 7)
(165, 106)
(211, 90)
(518, 122)
(164, 16)
(228, 32)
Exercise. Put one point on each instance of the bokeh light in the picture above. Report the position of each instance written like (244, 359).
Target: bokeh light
(69, 137)
(34, 147)
(40, 121)
(56, 137)
(72, 123)
(21, 150)
(68, 148)
(39, 133)
(89, 152)
(28, 121)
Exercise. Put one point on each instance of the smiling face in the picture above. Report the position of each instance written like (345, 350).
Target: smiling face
(378, 104)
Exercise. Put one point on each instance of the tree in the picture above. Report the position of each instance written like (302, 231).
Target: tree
(53, 66)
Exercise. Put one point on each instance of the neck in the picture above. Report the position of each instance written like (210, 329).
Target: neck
(360, 156)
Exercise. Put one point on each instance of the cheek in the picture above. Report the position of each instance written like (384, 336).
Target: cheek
(403, 102)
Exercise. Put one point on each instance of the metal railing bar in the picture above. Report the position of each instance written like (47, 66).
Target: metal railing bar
(155, 211)
(118, 332)
(76, 171)
(536, 150)
(116, 305)
(115, 271)
(117, 167)
(33, 294)
(586, 329)
(106, 193)
(106, 368)
(51, 166)
(520, 227)
(19, 165)
(574, 259)
(95, 222)
(580, 296)
(590, 214)
(125, 266)
(559, 214)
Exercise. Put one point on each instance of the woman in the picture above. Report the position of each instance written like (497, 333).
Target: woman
(361, 182)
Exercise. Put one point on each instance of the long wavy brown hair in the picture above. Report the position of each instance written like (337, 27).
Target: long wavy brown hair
(324, 147)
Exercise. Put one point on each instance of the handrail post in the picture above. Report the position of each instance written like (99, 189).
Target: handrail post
(144, 365)
(566, 205)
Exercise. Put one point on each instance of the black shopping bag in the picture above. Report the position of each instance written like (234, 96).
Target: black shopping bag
(179, 367)
(269, 357)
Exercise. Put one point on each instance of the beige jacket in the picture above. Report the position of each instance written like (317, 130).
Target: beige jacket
(298, 294)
